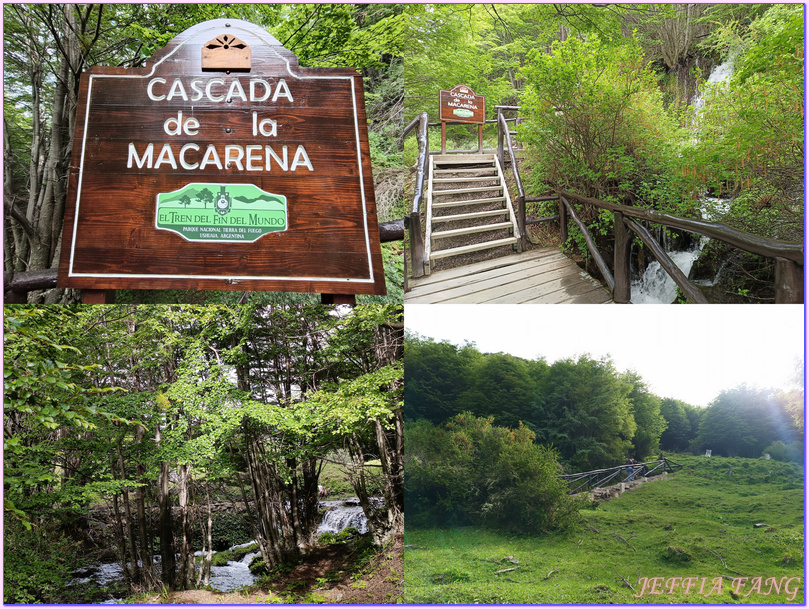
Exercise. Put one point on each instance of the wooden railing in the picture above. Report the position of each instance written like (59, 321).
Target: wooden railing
(413, 219)
(788, 255)
(597, 478)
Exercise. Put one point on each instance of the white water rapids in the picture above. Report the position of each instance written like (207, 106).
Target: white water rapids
(655, 286)
(340, 515)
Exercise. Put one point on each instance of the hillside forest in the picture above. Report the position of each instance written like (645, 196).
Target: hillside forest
(592, 414)
(491, 520)
(125, 426)
(696, 110)
(48, 46)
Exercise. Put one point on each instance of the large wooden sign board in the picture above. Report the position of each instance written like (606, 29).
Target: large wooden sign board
(222, 165)
(461, 105)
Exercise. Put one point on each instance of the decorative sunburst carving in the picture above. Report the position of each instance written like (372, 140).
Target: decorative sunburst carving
(226, 52)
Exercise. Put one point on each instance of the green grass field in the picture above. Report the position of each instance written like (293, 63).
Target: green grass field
(693, 530)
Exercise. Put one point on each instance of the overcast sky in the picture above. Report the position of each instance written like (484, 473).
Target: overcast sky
(688, 352)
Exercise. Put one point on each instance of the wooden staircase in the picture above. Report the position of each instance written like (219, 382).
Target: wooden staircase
(468, 208)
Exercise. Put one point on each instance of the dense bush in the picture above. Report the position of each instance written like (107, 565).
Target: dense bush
(594, 118)
(785, 452)
(472, 472)
(228, 530)
(37, 564)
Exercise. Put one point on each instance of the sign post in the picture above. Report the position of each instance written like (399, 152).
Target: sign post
(461, 105)
(222, 165)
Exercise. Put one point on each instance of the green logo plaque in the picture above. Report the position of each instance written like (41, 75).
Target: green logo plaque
(203, 211)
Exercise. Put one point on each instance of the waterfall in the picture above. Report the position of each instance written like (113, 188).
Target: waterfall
(339, 515)
(655, 286)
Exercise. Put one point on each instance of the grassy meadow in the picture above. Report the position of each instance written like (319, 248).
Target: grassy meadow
(687, 537)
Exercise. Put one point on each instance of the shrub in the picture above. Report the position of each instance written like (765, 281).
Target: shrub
(472, 472)
(38, 564)
(785, 452)
(594, 117)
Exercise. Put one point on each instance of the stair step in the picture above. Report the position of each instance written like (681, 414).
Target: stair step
(477, 170)
(463, 191)
(455, 232)
(468, 202)
(477, 214)
(476, 247)
(461, 159)
(462, 179)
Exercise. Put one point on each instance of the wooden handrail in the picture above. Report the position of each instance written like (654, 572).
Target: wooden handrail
(413, 221)
(591, 246)
(503, 135)
(751, 243)
(598, 477)
(691, 291)
(788, 255)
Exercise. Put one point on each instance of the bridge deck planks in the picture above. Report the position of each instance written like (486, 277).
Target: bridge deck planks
(537, 276)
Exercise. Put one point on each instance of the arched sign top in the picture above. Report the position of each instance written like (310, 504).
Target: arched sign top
(222, 164)
(207, 31)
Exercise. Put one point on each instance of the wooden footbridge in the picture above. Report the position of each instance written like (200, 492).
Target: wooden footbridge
(588, 481)
(468, 240)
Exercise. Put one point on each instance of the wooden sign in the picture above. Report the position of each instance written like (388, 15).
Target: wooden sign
(222, 165)
(461, 105)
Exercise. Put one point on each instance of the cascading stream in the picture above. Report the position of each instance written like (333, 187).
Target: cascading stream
(655, 286)
(340, 515)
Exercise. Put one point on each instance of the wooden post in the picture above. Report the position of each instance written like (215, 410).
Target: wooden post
(348, 299)
(443, 137)
(788, 282)
(623, 244)
(416, 243)
(521, 221)
(98, 296)
(480, 139)
(500, 153)
(562, 221)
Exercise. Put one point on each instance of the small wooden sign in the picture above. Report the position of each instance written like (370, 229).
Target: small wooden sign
(461, 105)
(222, 165)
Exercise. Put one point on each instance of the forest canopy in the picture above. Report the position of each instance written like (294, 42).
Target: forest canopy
(593, 415)
(154, 413)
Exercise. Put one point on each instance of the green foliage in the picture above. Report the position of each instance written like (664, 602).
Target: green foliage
(679, 430)
(779, 451)
(475, 472)
(37, 565)
(347, 535)
(700, 512)
(595, 121)
(743, 421)
(258, 567)
(585, 411)
(649, 421)
(592, 415)
(750, 129)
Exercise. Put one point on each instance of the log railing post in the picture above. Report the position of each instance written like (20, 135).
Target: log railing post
(788, 282)
(623, 243)
(500, 155)
(413, 222)
(562, 221)
(521, 221)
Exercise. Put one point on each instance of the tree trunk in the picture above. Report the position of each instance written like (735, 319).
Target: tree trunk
(130, 532)
(185, 575)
